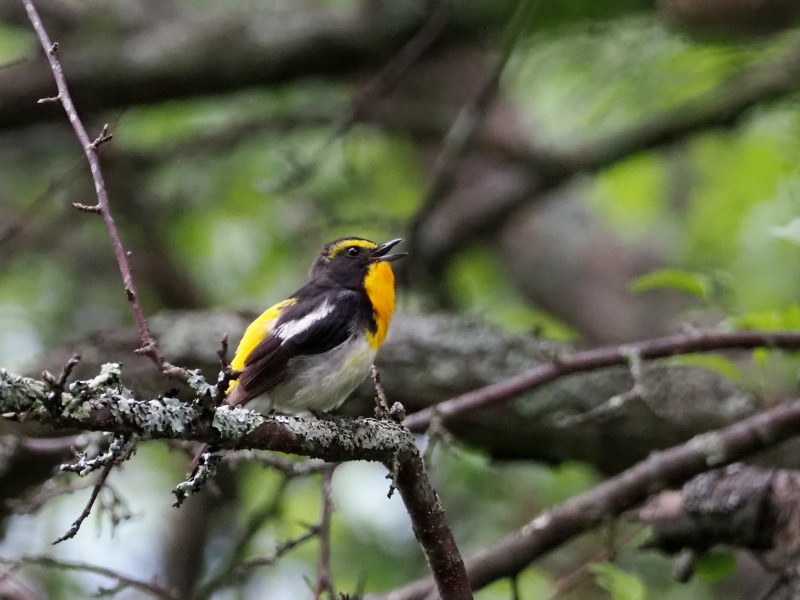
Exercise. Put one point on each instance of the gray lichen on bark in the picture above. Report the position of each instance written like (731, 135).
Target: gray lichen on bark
(102, 403)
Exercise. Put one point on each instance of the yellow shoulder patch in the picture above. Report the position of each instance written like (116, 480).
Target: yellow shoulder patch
(255, 332)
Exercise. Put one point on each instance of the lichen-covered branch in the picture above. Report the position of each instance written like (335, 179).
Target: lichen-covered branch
(103, 404)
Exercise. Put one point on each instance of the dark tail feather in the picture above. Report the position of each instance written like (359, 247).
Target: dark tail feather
(238, 396)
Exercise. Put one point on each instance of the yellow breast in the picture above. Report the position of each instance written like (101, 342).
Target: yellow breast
(379, 285)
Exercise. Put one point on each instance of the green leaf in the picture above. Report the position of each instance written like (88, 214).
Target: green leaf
(676, 279)
(621, 585)
(715, 565)
(787, 317)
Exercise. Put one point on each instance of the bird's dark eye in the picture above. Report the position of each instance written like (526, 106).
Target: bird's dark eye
(352, 251)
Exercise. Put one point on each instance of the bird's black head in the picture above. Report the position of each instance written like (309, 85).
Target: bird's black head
(346, 261)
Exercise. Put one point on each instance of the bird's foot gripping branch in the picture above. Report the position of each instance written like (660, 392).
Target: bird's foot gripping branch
(104, 404)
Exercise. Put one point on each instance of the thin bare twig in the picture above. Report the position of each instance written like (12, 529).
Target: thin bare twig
(514, 584)
(226, 374)
(616, 403)
(149, 346)
(381, 401)
(121, 579)
(247, 566)
(225, 574)
(324, 582)
(87, 510)
(288, 467)
(773, 588)
(57, 385)
(51, 488)
(396, 412)
(242, 569)
(119, 451)
(14, 589)
(377, 87)
(16, 225)
(569, 581)
(598, 358)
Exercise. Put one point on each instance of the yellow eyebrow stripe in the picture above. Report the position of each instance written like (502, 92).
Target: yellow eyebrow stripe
(338, 247)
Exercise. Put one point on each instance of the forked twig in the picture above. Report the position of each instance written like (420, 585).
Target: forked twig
(120, 450)
(87, 510)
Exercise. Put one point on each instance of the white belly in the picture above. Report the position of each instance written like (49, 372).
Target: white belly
(321, 381)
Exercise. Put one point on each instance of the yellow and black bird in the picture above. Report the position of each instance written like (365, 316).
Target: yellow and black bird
(310, 351)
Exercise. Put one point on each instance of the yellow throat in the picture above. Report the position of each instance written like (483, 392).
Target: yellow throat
(379, 285)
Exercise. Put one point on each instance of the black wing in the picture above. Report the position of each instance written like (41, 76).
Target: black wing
(313, 325)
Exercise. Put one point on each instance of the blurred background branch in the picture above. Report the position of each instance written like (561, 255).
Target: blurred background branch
(629, 171)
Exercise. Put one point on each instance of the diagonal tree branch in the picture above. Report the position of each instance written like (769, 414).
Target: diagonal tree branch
(672, 467)
(123, 581)
(149, 343)
(598, 358)
(465, 126)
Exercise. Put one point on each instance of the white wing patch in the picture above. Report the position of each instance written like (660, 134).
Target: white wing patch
(292, 328)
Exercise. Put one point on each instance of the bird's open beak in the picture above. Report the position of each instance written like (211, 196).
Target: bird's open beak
(379, 254)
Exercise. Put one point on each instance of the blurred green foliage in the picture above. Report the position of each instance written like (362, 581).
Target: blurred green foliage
(715, 565)
(620, 584)
(676, 279)
(15, 43)
(245, 219)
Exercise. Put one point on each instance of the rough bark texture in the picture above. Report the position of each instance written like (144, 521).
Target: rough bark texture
(746, 507)
(427, 359)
